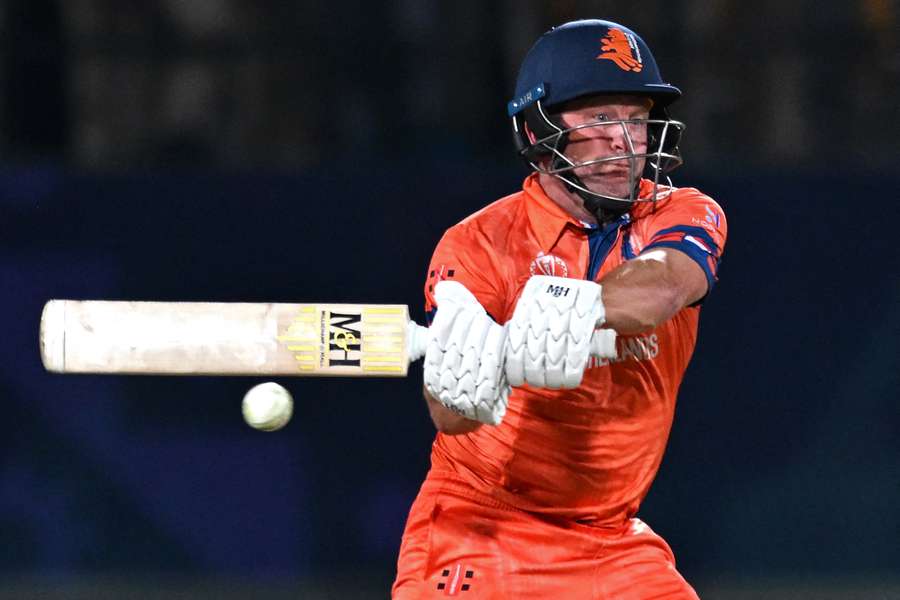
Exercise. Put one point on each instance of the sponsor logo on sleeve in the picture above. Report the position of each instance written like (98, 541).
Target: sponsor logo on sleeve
(712, 216)
(711, 221)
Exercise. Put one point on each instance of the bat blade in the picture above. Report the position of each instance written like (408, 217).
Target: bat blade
(227, 338)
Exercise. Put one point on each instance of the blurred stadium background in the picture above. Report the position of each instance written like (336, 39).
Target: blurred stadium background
(300, 151)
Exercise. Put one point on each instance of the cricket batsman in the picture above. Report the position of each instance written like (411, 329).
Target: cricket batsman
(564, 316)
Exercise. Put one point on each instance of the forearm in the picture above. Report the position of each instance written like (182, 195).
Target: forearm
(648, 290)
(445, 420)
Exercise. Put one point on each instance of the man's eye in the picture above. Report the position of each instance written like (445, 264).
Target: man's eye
(601, 117)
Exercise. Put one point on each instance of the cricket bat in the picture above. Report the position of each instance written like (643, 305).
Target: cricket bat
(234, 338)
(229, 338)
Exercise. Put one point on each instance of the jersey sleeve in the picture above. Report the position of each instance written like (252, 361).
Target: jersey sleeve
(462, 256)
(694, 224)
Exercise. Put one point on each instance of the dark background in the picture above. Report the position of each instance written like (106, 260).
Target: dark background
(298, 151)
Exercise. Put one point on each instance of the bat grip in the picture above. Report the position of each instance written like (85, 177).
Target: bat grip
(603, 342)
(417, 338)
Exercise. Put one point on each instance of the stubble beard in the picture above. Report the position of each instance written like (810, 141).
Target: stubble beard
(614, 181)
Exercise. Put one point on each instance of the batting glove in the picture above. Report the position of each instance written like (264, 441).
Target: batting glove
(464, 358)
(549, 336)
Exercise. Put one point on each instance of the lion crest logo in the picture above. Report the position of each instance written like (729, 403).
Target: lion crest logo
(622, 49)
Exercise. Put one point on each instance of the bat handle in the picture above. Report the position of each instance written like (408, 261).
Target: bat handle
(417, 338)
(603, 342)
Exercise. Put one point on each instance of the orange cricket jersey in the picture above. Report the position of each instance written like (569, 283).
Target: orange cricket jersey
(591, 453)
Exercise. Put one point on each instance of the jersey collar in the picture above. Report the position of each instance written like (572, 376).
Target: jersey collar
(546, 218)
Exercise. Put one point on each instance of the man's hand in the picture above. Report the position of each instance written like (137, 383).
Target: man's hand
(464, 359)
(549, 336)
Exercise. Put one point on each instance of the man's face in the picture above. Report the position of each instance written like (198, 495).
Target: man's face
(611, 178)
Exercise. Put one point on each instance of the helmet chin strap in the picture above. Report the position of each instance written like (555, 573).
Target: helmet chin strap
(604, 212)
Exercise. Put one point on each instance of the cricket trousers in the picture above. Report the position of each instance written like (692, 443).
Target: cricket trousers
(460, 543)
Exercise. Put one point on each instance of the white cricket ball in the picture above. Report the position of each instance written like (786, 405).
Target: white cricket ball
(267, 406)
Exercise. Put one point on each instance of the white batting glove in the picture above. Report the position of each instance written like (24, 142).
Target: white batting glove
(549, 336)
(464, 359)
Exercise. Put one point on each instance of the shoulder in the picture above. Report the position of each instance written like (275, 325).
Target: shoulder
(491, 223)
(474, 252)
(671, 198)
(689, 198)
(685, 206)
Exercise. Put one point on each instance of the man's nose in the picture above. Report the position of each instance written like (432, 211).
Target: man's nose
(617, 136)
(610, 136)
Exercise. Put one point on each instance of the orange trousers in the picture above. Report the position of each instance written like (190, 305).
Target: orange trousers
(460, 543)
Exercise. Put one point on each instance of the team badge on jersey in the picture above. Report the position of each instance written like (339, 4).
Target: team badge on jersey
(622, 49)
(548, 264)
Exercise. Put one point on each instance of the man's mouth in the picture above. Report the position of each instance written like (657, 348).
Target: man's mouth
(610, 173)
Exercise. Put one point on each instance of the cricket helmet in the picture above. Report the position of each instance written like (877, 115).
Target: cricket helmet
(588, 58)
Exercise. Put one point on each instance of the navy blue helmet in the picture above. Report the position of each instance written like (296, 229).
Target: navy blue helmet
(592, 58)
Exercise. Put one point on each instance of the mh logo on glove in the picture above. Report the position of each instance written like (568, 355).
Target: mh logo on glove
(557, 290)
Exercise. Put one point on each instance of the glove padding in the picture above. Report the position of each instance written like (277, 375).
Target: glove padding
(549, 336)
(464, 358)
